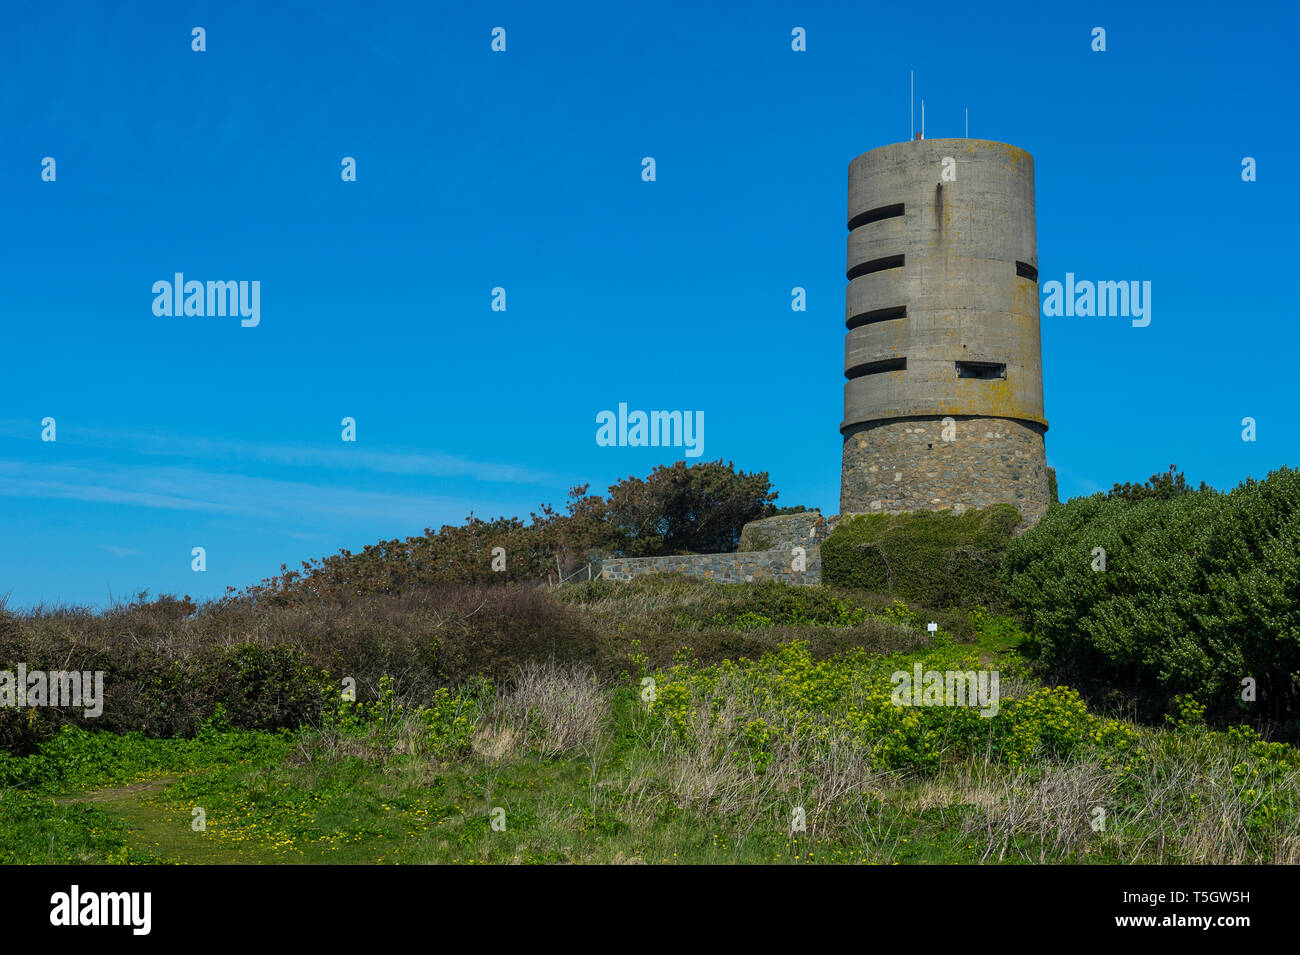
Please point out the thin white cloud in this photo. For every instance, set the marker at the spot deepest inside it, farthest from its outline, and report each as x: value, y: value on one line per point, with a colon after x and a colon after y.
x: 120, y: 551
x: 347, y: 457
x: 186, y: 489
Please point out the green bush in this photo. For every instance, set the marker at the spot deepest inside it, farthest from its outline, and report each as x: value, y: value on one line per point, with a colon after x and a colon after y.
x: 770, y: 603
x: 269, y: 686
x: 1199, y: 591
x: 74, y: 758
x: 789, y: 699
x: 936, y: 558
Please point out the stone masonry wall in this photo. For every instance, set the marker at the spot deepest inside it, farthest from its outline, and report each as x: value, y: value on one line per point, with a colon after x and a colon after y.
x: 775, y: 562
x: 903, y: 464
x: 784, y: 532
x: 741, y: 568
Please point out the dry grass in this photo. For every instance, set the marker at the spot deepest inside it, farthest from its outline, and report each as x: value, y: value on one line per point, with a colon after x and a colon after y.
x: 830, y: 779
x: 1193, y: 808
x: 547, y: 709
x: 1183, y: 804
x: 1045, y: 816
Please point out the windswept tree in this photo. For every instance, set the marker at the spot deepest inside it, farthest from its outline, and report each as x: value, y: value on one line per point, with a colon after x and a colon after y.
x: 681, y: 509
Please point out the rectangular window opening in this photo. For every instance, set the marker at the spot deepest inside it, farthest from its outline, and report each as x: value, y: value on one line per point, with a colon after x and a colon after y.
x: 875, y: 215
x: 984, y: 370
x: 1026, y: 271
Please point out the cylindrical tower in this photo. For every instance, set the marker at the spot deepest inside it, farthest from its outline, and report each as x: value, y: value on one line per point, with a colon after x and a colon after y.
x: 943, y: 407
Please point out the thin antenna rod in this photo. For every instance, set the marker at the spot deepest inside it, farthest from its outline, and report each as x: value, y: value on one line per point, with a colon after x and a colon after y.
x: 968, y: 122
x: 911, y: 106
x: 923, y: 119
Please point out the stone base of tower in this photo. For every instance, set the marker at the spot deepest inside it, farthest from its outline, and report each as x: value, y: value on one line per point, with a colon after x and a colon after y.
x: 904, y: 464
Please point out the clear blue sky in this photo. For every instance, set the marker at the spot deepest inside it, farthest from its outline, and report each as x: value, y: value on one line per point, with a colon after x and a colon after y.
x: 523, y: 170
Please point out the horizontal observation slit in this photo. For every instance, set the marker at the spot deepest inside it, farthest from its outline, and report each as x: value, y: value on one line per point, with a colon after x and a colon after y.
x: 986, y: 370
x: 875, y: 215
x: 876, y: 315
x: 1026, y: 271
x: 876, y: 265
x: 876, y: 368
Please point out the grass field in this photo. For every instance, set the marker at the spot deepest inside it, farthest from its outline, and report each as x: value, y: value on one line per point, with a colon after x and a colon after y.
x: 795, y: 754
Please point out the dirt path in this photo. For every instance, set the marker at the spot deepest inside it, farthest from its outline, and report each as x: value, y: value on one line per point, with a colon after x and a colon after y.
x: 115, y: 794
x: 155, y: 829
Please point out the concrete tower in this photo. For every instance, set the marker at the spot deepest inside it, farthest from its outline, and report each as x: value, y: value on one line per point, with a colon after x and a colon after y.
x: 942, y: 317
